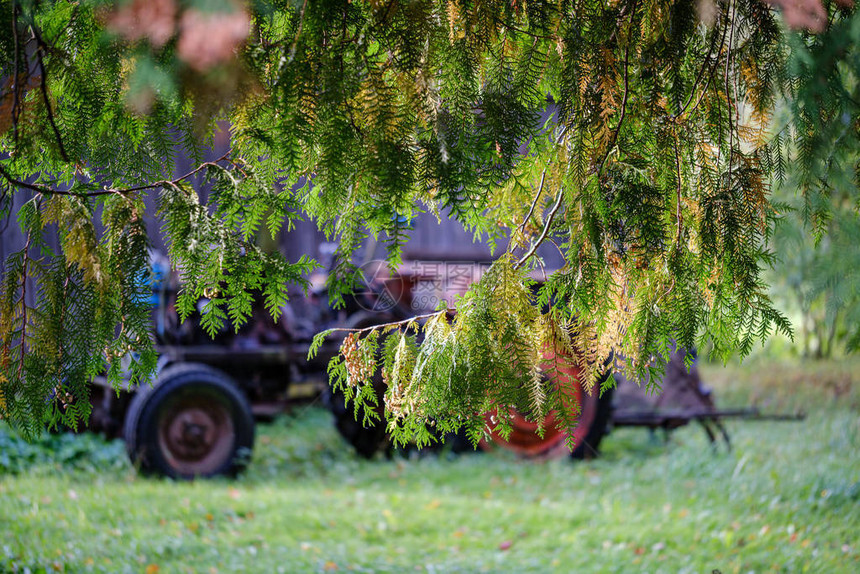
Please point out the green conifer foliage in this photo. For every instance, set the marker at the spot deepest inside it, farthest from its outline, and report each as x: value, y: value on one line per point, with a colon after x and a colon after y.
x: 651, y: 177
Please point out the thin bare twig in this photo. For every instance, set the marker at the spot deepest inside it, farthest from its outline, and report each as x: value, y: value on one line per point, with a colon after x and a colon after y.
x: 299, y: 31
x: 107, y: 191
x: 25, y: 262
x: 713, y: 67
x: 678, y: 190
x: 528, y: 216
x: 526, y: 32
x: 560, y: 252
x: 539, y: 193
x: 392, y: 324
x: 699, y: 75
x: 546, y: 227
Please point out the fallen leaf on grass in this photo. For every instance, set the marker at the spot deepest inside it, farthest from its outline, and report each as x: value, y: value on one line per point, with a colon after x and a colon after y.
x: 505, y: 545
x: 152, y: 569
x: 330, y: 566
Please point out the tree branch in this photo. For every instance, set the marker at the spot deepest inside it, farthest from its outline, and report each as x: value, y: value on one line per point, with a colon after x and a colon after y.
x: 299, y: 31
x: 732, y: 108
x: 617, y: 129
x: 44, y: 84
x: 714, y: 67
x: 678, y: 190
x: 392, y: 324
x: 700, y: 74
x: 546, y: 227
x: 528, y: 216
x: 24, y: 265
x: 15, y: 78
x: 107, y: 191
x: 526, y: 32
x: 534, y: 201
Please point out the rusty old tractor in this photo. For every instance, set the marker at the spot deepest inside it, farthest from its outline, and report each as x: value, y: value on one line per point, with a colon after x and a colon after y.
x: 197, y: 418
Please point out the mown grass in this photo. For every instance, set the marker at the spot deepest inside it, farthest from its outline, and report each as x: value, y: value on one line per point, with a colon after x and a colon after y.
x: 785, y: 499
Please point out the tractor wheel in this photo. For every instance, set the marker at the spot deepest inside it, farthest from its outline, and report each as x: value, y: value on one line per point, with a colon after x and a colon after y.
x: 366, y: 440
x: 192, y: 422
x: 592, y: 424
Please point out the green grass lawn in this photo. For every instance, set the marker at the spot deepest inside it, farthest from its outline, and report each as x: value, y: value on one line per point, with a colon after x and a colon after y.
x: 786, y: 499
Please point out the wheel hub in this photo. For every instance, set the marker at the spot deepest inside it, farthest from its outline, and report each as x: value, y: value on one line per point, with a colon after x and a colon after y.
x: 191, y: 434
x: 196, y: 436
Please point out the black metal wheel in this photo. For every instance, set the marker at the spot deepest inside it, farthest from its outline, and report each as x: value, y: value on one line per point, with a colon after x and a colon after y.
x: 366, y: 440
x: 589, y: 446
x: 193, y: 422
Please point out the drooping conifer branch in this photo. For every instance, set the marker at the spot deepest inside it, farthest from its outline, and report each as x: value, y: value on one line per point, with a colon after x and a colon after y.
x: 614, y: 137
x: 392, y: 109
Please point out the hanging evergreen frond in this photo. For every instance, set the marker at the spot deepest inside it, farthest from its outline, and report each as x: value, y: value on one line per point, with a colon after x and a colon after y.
x: 651, y: 176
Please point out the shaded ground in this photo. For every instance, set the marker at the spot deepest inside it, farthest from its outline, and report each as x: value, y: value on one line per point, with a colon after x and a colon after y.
x: 786, y: 499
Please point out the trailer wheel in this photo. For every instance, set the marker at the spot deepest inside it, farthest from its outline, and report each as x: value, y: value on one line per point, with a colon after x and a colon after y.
x: 193, y: 422
x: 594, y: 414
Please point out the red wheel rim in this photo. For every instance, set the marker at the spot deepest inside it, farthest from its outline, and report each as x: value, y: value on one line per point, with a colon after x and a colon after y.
x: 524, y: 439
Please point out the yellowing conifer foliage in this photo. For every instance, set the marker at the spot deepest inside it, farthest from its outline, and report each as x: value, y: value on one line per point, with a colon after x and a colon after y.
x: 652, y: 177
